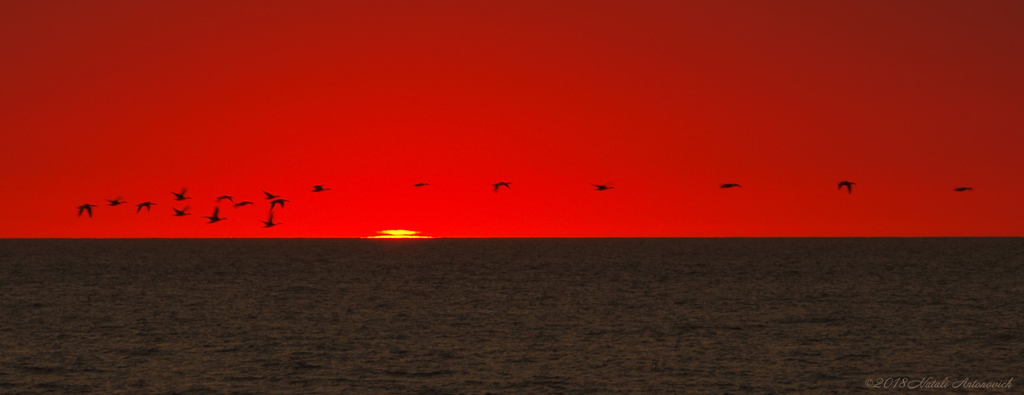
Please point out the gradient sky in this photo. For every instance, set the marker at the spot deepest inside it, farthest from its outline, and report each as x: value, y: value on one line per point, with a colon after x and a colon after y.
x: 666, y: 100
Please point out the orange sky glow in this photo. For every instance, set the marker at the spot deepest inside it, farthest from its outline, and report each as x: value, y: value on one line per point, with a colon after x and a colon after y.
x: 664, y: 100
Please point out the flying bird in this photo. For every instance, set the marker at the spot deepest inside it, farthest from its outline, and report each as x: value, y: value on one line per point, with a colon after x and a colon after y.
x: 270, y: 221
x: 240, y: 204
x: 216, y: 216
x: 270, y: 195
x: 116, y: 202
x: 225, y: 197
x: 181, y: 213
x: 143, y: 204
x: 86, y: 208
x: 848, y: 185
x: 181, y: 196
x: 961, y: 189
x: 730, y: 185
x: 276, y: 202
x: 501, y: 184
x: 422, y: 184
x: 320, y: 188
x: 601, y: 187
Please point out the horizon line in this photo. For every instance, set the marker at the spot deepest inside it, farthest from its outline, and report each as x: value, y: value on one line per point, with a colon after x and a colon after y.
x: 515, y: 237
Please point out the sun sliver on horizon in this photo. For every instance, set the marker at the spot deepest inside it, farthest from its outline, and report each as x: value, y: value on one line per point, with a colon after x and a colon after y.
x: 398, y: 234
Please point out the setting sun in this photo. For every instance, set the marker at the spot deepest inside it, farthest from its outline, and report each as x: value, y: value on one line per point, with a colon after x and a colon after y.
x: 399, y: 234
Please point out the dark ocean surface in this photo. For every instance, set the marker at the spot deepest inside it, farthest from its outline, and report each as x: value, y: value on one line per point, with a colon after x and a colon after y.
x: 509, y: 316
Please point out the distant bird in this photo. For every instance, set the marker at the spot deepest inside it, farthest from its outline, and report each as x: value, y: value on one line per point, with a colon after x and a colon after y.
x: 422, y: 184
x: 270, y: 221
x: 86, y: 208
x: 276, y: 202
x: 181, y: 196
x: 143, y: 204
x: 225, y: 197
x: 730, y: 185
x: 501, y: 184
x: 216, y: 216
x: 320, y: 188
x: 240, y: 204
x: 961, y: 189
x: 602, y: 187
x: 848, y: 185
x: 270, y: 195
x: 116, y: 202
x: 181, y: 213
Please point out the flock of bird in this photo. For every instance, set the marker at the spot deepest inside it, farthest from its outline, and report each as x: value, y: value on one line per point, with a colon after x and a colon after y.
x: 276, y: 200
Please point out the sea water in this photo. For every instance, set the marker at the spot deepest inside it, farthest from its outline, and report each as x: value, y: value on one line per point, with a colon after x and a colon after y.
x: 510, y: 316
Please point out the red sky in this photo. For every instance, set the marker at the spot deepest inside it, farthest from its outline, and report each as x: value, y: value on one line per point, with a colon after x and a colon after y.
x: 665, y: 100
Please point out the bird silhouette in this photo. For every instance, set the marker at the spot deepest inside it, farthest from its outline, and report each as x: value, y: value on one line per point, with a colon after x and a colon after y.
x: 240, y: 204
x: 86, y: 208
x: 116, y: 202
x: 270, y: 221
x: 270, y: 195
x: 143, y: 204
x: 276, y: 202
x: 730, y: 185
x: 501, y: 184
x: 181, y: 196
x: 848, y: 185
x: 961, y: 189
x: 216, y: 216
x: 181, y: 213
x: 422, y: 184
x: 320, y: 188
x: 602, y: 187
x: 225, y: 197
